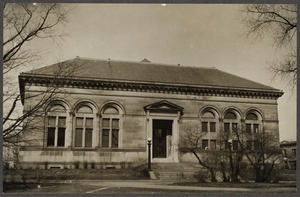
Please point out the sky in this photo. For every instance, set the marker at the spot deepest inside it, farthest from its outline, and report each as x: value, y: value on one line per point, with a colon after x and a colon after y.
x: 192, y: 35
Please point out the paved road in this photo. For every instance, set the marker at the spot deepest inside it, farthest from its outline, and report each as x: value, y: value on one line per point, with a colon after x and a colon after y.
x: 141, y: 187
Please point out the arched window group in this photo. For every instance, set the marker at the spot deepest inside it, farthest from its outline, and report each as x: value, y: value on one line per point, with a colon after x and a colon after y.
x: 219, y: 132
x: 84, y: 126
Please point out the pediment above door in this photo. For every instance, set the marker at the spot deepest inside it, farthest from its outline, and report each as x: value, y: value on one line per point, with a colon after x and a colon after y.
x: 164, y: 107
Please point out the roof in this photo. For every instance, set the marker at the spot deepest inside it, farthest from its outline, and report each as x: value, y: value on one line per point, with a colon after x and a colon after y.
x: 146, y: 71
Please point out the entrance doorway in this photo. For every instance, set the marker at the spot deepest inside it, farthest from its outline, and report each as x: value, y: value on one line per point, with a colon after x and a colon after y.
x: 162, y: 138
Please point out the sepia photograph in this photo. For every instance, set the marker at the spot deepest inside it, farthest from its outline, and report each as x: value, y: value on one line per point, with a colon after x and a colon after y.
x: 149, y: 98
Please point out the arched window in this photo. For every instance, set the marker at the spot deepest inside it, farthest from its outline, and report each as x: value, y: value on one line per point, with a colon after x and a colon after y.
x: 56, y: 126
x: 110, y: 127
x: 209, y: 126
x: 230, y: 122
x: 252, y: 123
x: 231, y: 127
x: 84, y: 126
x: 208, y: 122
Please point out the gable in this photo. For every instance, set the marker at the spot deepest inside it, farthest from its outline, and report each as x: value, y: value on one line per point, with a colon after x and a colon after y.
x: 164, y: 107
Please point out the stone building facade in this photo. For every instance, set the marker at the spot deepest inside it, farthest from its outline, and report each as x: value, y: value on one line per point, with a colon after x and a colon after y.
x: 105, y: 111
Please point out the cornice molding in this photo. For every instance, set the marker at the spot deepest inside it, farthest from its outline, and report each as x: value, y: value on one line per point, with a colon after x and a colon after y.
x: 147, y: 87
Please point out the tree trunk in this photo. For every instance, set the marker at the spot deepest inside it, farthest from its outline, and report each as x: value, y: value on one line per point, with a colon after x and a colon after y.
x: 225, y: 179
x: 213, y: 175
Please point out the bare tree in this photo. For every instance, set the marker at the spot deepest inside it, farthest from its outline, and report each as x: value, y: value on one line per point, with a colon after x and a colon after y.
x: 280, y: 22
x: 23, y: 23
x: 264, y: 157
x: 190, y: 142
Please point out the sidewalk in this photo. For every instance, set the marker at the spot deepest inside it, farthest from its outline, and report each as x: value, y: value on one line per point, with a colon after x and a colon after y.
x: 172, y: 186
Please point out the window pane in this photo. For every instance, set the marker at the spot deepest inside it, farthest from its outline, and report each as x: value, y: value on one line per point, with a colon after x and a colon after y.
x: 105, y: 138
x: 89, y: 122
x: 50, y: 136
x: 111, y: 110
x: 226, y: 144
x: 251, y: 116
x: 204, y: 127
x: 255, y: 128
x: 85, y: 109
x: 249, y: 145
x: 52, y: 121
x: 115, y: 138
x: 235, y: 145
x: 61, y: 121
x: 105, y: 122
x: 57, y: 108
x: 213, y: 144
x: 234, y: 126
x: 61, y: 137
x: 256, y: 145
x: 204, y: 144
x: 212, y: 127
x: 79, y: 122
x: 208, y: 115
x: 115, y: 123
x: 230, y: 115
x: 88, y: 137
x: 248, y: 128
x: 78, y: 138
x: 226, y: 127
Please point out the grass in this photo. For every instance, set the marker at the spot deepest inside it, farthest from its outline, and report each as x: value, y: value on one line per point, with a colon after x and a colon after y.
x: 65, y: 174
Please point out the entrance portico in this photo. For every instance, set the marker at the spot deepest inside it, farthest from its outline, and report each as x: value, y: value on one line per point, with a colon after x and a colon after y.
x: 162, y: 129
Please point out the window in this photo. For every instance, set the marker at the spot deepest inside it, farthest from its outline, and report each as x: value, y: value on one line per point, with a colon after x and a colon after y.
x: 226, y: 144
x: 208, y: 122
x: 110, y: 137
x: 255, y: 128
x: 84, y: 126
x: 226, y: 127
x: 252, y: 123
x: 213, y: 144
x: 204, y: 126
x: 235, y: 144
x: 256, y: 145
x: 212, y: 126
x: 248, y: 128
x: 204, y: 144
x: 249, y: 145
x: 56, y: 126
x: 230, y: 122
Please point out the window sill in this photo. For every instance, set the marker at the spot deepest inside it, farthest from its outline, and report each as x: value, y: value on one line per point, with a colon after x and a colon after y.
x: 83, y: 148
x: 56, y: 148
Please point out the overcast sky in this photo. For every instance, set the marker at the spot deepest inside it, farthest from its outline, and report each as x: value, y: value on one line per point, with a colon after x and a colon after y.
x: 193, y: 35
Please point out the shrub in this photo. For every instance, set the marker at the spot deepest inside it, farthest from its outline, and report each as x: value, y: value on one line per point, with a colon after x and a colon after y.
x: 76, y: 164
x: 202, y: 176
x: 93, y: 165
x: 85, y: 165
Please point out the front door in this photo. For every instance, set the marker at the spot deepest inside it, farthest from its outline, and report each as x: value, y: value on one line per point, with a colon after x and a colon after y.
x: 161, y: 130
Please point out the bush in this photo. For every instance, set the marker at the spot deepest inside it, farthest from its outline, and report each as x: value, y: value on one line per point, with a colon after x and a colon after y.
x: 142, y: 170
x: 93, y: 165
x: 76, y: 164
x: 85, y: 165
x: 202, y: 176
